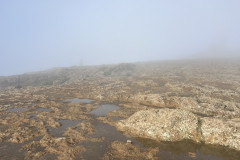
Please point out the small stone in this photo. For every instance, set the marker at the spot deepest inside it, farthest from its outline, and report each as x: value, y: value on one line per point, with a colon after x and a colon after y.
x: 129, y: 141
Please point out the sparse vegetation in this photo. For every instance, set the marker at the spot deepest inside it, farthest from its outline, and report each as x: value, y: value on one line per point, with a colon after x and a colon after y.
x: 205, y: 93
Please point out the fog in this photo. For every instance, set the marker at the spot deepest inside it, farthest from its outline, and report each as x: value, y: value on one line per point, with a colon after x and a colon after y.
x: 38, y: 35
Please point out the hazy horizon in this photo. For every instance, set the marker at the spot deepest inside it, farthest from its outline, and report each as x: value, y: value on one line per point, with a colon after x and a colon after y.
x: 39, y: 35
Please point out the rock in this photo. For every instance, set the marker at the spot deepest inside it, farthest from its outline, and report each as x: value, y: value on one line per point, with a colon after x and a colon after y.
x: 219, y: 132
x: 149, y: 99
x: 162, y: 125
x: 129, y: 141
x: 177, y: 125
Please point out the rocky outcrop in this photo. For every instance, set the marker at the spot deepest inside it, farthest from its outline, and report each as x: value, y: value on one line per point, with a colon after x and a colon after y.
x: 149, y: 99
x: 177, y: 124
x: 162, y: 124
x: 219, y: 132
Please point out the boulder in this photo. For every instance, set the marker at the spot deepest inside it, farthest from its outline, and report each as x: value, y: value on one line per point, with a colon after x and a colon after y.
x: 162, y: 125
x: 149, y: 99
x: 220, y: 132
x: 177, y: 124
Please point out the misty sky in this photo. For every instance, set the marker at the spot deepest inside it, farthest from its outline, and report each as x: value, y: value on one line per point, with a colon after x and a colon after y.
x: 37, y: 35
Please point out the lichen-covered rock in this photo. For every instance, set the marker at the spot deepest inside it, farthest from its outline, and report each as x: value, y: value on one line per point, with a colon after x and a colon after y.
x: 177, y: 124
x: 187, y: 103
x: 219, y: 132
x: 162, y: 125
x: 149, y: 99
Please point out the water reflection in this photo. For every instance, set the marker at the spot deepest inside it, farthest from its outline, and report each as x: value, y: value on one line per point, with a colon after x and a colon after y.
x: 188, y: 150
x: 104, y: 109
x: 58, y: 132
x: 16, y: 110
x: 77, y: 100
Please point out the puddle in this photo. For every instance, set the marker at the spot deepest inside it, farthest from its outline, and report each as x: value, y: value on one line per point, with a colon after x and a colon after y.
x: 187, y: 150
x: 96, y: 150
x: 117, y: 118
x: 58, y: 132
x: 104, y: 109
x: 11, y: 151
x: 15, y: 151
x: 116, y: 86
x: 33, y: 116
x: 49, y: 156
x: 3, y: 127
x: 109, y: 132
x: 44, y: 109
x: 16, y: 110
x: 77, y: 100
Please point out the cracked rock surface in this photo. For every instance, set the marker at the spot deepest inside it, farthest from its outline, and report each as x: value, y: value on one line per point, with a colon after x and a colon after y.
x: 177, y: 124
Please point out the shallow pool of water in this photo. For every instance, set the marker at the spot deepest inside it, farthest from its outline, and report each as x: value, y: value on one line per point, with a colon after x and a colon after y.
x: 96, y: 150
x: 33, y: 116
x: 77, y: 100
x: 58, y: 132
x: 117, y: 118
x: 16, y: 151
x: 44, y: 109
x: 16, y: 110
x: 188, y: 150
x: 11, y: 151
x: 104, y: 109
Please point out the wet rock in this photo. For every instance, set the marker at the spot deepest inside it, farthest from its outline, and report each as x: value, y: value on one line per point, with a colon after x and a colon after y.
x: 162, y: 125
x: 220, y: 132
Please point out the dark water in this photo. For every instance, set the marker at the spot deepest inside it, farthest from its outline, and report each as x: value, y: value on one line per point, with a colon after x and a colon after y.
x: 33, y: 116
x: 188, y: 150
x: 11, y: 151
x: 96, y: 150
x: 77, y: 100
x: 16, y: 110
x: 104, y: 109
x: 117, y: 118
x: 44, y: 109
x: 14, y: 151
x: 58, y: 132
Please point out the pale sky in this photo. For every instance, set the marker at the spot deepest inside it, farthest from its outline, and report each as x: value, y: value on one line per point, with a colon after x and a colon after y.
x: 37, y: 35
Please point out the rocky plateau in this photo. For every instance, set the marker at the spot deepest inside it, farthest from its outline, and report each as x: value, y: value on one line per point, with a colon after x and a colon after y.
x: 187, y: 109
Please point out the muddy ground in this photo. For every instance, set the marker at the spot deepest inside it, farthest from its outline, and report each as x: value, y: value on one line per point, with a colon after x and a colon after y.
x: 66, y: 121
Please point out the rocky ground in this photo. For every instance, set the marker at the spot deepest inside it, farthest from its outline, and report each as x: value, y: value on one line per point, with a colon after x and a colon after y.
x: 165, y: 102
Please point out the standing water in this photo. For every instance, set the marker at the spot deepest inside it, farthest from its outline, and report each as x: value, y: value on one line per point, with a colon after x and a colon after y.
x: 77, y: 100
x: 104, y: 109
